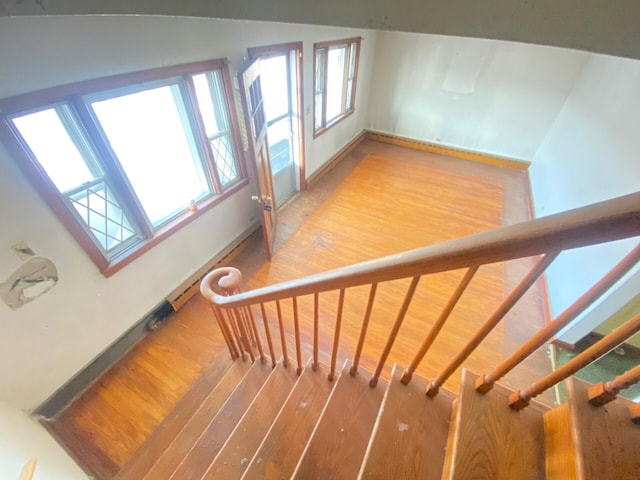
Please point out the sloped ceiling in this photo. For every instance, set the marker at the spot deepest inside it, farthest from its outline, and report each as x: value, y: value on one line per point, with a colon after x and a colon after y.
x: 603, y: 26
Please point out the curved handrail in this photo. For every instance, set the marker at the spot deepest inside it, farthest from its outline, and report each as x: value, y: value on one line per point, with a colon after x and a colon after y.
x: 600, y: 222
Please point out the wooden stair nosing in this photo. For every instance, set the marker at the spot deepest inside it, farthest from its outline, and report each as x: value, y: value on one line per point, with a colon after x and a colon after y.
x: 265, y: 458
x: 173, y: 454
x: 270, y: 398
x: 504, y: 445
x: 607, y: 442
x: 343, y: 452
x: 410, y: 434
x: 161, y: 438
x: 199, y: 457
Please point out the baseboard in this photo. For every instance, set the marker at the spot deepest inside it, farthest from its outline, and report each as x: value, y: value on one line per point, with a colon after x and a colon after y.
x: 335, y: 159
x: 82, y: 380
x: 447, y: 150
x: 191, y: 286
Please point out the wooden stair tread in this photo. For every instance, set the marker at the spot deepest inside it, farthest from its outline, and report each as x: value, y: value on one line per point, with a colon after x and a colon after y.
x: 608, y: 443
x: 145, y: 457
x: 494, y: 441
x: 339, y: 441
x: 411, y: 433
x: 243, y: 443
x: 213, y: 437
x: 560, y: 448
x: 184, y: 440
x: 280, y: 451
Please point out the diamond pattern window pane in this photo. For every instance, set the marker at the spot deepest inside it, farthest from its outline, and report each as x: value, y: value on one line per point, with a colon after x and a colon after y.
x: 100, y: 211
x: 225, y: 162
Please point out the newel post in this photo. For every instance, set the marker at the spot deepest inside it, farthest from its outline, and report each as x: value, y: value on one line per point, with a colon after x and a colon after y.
x: 235, y: 323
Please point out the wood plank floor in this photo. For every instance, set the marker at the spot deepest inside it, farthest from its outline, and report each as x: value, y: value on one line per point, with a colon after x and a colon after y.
x: 380, y: 199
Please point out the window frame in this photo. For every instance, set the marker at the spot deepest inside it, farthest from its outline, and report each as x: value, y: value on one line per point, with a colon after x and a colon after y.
x: 75, y: 96
x: 348, y: 102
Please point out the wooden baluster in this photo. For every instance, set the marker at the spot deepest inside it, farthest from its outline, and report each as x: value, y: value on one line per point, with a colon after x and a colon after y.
x: 296, y: 327
x: 225, y: 332
x: 519, y: 400
x: 254, y: 329
x: 435, y: 330
x: 485, y: 383
x: 634, y: 412
x: 605, y: 392
x: 394, y: 331
x: 267, y: 332
x: 283, y: 340
x: 363, y: 332
x: 314, y: 366
x: 236, y: 334
x: 234, y: 316
x: 503, y: 309
x: 336, y: 337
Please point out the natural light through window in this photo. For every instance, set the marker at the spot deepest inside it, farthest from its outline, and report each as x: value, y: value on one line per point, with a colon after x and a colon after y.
x: 54, y: 149
x: 335, y: 74
x: 149, y: 134
x: 208, y: 88
x: 335, y: 82
x: 129, y: 164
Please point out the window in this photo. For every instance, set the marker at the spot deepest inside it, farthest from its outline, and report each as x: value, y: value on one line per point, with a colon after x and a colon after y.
x: 335, y: 76
x: 128, y: 160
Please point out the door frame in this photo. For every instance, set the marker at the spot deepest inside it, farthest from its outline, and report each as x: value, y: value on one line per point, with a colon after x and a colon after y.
x: 279, y: 48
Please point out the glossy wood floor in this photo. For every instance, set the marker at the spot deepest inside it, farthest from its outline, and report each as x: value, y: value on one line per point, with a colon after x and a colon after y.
x: 379, y: 200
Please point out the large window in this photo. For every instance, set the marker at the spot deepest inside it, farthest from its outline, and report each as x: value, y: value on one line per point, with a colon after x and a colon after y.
x: 335, y: 76
x: 125, y: 161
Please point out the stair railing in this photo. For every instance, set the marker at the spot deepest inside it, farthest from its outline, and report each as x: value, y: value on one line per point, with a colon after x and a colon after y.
x: 545, y: 237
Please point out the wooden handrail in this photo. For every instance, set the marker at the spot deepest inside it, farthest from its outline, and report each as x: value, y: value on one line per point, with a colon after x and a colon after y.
x: 520, y: 399
x: 601, y: 222
x: 485, y: 383
x: 605, y: 392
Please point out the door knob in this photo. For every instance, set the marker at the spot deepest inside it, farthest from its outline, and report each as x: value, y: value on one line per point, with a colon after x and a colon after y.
x: 263, y: 198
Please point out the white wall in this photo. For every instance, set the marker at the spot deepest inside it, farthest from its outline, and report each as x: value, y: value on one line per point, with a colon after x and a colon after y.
x: 47, y: 341
x: 590, y: 154
x: 485, y: 96
x: 22, y: 439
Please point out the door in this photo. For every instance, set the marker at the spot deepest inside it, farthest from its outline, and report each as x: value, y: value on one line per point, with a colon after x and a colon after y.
x: 281, y: 82
x: 256, y: 125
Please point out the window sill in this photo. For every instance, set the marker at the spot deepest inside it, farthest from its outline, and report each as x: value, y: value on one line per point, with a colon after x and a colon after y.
x: 320, y: 131
x: 128, y: 256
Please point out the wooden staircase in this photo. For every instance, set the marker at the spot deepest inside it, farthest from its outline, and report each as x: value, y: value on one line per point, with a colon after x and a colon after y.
x: 278, y: 420
x: 274, y: 424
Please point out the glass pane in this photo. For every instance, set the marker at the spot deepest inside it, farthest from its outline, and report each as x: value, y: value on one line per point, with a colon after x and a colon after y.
x: 205, y: 102
x: 275, y: 86
x: 318, y: 111
x: 352, y: 68
x: 153, y: 141
x: 55, y: 150
x: 98, y: 208
x: 335, y: 82
x: 319, y: 87
x: 225, y: 161
x: 279, y: 135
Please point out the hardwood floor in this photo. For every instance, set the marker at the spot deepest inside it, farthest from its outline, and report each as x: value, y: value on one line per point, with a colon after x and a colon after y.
x: 380, y: 199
